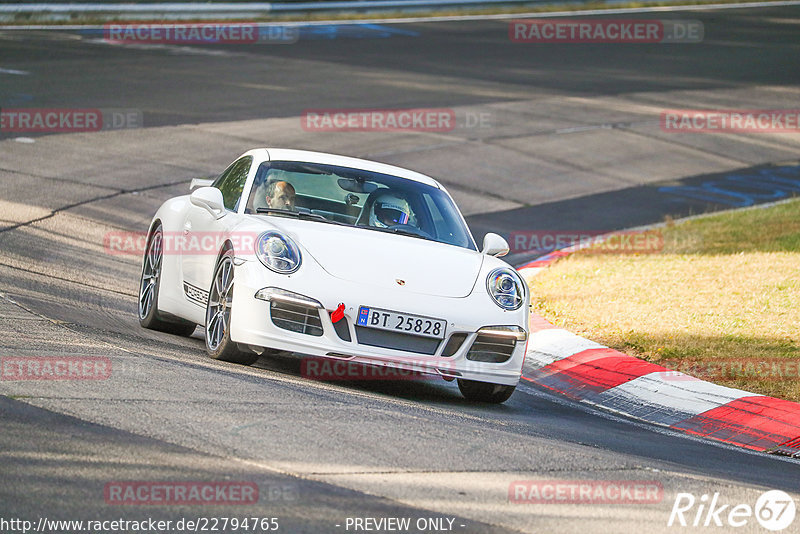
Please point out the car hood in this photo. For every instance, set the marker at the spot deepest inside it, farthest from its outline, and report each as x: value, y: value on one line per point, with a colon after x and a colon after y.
x: 385, y: 260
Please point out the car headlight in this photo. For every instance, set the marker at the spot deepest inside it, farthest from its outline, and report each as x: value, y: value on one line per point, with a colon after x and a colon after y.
x: 278, y: 253
x: 506, y: 288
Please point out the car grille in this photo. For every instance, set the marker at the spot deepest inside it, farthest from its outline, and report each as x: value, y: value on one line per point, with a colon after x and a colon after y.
x: 453, y: 344
x: 342, y: 329
x: 397, y: 341
x: 493, y: 349
x: 296, y: 318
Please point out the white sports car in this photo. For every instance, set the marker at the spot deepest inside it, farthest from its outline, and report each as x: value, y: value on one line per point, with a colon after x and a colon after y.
x: 339, y: 258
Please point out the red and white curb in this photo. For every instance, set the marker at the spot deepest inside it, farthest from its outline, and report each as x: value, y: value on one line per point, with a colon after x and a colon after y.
x: 583, y: 370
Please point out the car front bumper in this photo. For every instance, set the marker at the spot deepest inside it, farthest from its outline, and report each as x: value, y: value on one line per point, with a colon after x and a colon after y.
x: 252, y: 326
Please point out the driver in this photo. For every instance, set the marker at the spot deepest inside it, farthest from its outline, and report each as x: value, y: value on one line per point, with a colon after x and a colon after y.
x: 280, y: 195
x: 391, y: 210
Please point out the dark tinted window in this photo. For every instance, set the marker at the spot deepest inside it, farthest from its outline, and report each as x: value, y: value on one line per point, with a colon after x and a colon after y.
x: 231, y: 182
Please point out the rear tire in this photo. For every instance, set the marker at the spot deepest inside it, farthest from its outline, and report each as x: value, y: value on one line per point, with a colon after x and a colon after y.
x: 149, y: 286
x: 218, y: 316
x: 484, y: 391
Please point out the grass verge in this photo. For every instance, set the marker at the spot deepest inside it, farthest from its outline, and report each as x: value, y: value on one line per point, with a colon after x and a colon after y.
x: 720, y: 301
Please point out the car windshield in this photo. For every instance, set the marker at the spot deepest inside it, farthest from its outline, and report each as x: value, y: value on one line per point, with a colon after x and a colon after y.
x: 355, y: 197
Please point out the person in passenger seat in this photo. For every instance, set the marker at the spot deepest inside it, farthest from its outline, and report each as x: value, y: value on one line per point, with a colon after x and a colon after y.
x: 280, y: 195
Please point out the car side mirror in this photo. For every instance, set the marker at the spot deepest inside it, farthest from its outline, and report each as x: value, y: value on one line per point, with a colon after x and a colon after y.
x: 494, y: 245
x: 210, y: 199
x: 200, y: 182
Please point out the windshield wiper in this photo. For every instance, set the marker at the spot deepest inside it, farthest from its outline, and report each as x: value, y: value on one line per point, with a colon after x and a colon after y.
x: 296, y: 214
x: 399, y: 231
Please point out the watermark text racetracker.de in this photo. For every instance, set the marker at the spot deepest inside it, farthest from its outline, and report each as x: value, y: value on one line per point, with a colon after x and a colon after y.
x: 625, y: 31
x: 593, y: 241
x: 730, y: 121
x: 26, y: 368
x: 177, y: 243
x: 585, y: 492
x: 140, y: 492
x: 199, y: 33
x: 767, y: 369
x: 66, y: 120
x: 389, y: 120
x: 330, y: 369
x: 114, y: 526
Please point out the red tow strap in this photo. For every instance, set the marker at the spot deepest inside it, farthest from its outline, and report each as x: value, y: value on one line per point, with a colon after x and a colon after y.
x: 338, y: 314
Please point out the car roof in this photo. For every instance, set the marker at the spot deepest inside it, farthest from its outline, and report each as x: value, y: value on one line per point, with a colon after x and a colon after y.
x: 286, y: 154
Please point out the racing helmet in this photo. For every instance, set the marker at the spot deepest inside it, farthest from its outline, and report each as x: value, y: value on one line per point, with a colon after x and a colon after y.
x: 388, y: 209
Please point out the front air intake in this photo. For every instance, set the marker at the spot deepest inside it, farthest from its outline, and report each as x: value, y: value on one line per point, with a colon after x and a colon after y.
x: 295, y: 318
x: 492, y: 349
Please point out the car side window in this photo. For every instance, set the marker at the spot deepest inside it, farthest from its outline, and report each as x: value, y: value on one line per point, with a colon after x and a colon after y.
x: 231, y: 182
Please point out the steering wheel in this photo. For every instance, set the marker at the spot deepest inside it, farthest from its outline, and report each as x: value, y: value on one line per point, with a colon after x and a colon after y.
x: 411, y: 229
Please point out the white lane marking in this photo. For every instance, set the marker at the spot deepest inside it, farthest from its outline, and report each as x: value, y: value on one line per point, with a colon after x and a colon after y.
x: 578, y: 129
x: 14, y: 71
x: 667, y: 397
x: 554, y: 344
x: 466, y: 18
x: 176, y: 49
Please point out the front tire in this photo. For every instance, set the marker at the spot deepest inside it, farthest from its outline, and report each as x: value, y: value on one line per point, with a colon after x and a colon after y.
x: 484, y: 391
x: 218, y: 316
x: 149, y: 287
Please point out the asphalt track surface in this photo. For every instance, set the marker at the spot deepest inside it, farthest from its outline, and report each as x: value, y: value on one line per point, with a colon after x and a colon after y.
x: 568, y: 124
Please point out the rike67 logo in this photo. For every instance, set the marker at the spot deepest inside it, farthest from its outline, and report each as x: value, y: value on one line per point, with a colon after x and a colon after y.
x: 774, y: 510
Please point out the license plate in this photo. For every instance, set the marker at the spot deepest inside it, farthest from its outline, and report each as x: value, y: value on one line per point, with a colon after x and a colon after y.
x: 405, y: 323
